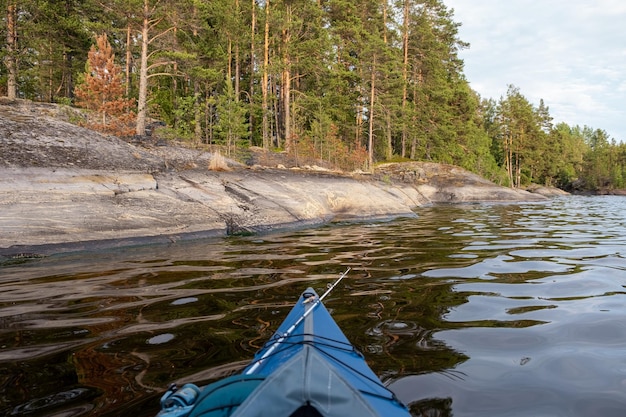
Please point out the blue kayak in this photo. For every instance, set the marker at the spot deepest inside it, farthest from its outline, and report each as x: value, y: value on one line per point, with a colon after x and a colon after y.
x: 308, y: 368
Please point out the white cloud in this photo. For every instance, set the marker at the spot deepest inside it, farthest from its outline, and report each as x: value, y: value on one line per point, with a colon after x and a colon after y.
x: 568, y: 52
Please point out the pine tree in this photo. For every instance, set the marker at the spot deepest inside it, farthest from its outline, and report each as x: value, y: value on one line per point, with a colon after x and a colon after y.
x: 232, y: 127
x: 102, y: 92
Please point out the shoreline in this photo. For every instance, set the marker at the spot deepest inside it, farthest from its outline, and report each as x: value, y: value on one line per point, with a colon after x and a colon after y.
x: 16, y: 253
x: 48, y: 211
x: 61, y: 210
x: 64, y: 187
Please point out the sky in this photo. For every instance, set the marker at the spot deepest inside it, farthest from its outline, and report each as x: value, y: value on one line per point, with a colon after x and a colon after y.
x: 570, y: 53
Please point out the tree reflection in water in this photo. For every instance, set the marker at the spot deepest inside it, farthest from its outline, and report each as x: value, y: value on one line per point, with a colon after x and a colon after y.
x: 433, y: 407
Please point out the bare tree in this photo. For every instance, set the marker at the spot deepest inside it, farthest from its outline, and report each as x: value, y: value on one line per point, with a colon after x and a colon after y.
x: 149, y: 23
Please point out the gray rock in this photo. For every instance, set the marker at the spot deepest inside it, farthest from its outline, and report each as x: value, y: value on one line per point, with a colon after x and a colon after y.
x: 63, y: 188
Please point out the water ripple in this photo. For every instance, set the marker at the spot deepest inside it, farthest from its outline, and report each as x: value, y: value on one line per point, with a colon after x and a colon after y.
x: 480, y: 309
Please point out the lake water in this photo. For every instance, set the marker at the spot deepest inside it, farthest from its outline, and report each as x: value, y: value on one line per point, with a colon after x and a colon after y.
x: 466, y: 310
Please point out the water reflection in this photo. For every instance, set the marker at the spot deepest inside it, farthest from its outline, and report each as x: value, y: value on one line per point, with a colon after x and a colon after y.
x: 467, y: 310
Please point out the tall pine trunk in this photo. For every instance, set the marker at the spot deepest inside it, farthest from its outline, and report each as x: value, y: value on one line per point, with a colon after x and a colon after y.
x: 286, y: 80
x: 129, y: 57
x: 413, y: 154
x: 265, y: 81
x: 405, y: 72
x: 370, y: 145
x: 252, y: 69
x: 142, y: 100
x: 389, y: 134
x: 10, y: 60
x: 508, y: 157
x: 229, y: 60
x: 237, y: 63
x: 197, y: 112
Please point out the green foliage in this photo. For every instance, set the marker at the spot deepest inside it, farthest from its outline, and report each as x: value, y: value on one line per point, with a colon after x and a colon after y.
x: 339, y: 86
x: 231, y: 128
x: 53, y: 42
x: 603, y: 162
x: 184, y: 116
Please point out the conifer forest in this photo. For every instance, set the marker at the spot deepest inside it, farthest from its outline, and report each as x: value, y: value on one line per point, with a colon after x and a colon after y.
x: 353, y: 83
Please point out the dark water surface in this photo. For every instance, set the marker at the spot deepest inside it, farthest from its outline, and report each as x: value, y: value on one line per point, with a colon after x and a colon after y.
x: 472, y: 310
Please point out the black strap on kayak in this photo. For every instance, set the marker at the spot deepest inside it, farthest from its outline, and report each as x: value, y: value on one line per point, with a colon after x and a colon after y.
x: 285, y: 335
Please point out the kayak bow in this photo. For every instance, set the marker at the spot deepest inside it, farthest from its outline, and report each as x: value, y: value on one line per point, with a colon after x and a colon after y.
x: 308, y: 368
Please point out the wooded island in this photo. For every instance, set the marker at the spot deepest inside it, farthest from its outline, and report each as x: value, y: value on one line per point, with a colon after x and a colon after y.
x: 353, y: 83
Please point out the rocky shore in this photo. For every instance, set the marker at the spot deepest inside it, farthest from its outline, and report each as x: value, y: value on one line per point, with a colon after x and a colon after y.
x: 66, y: 188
